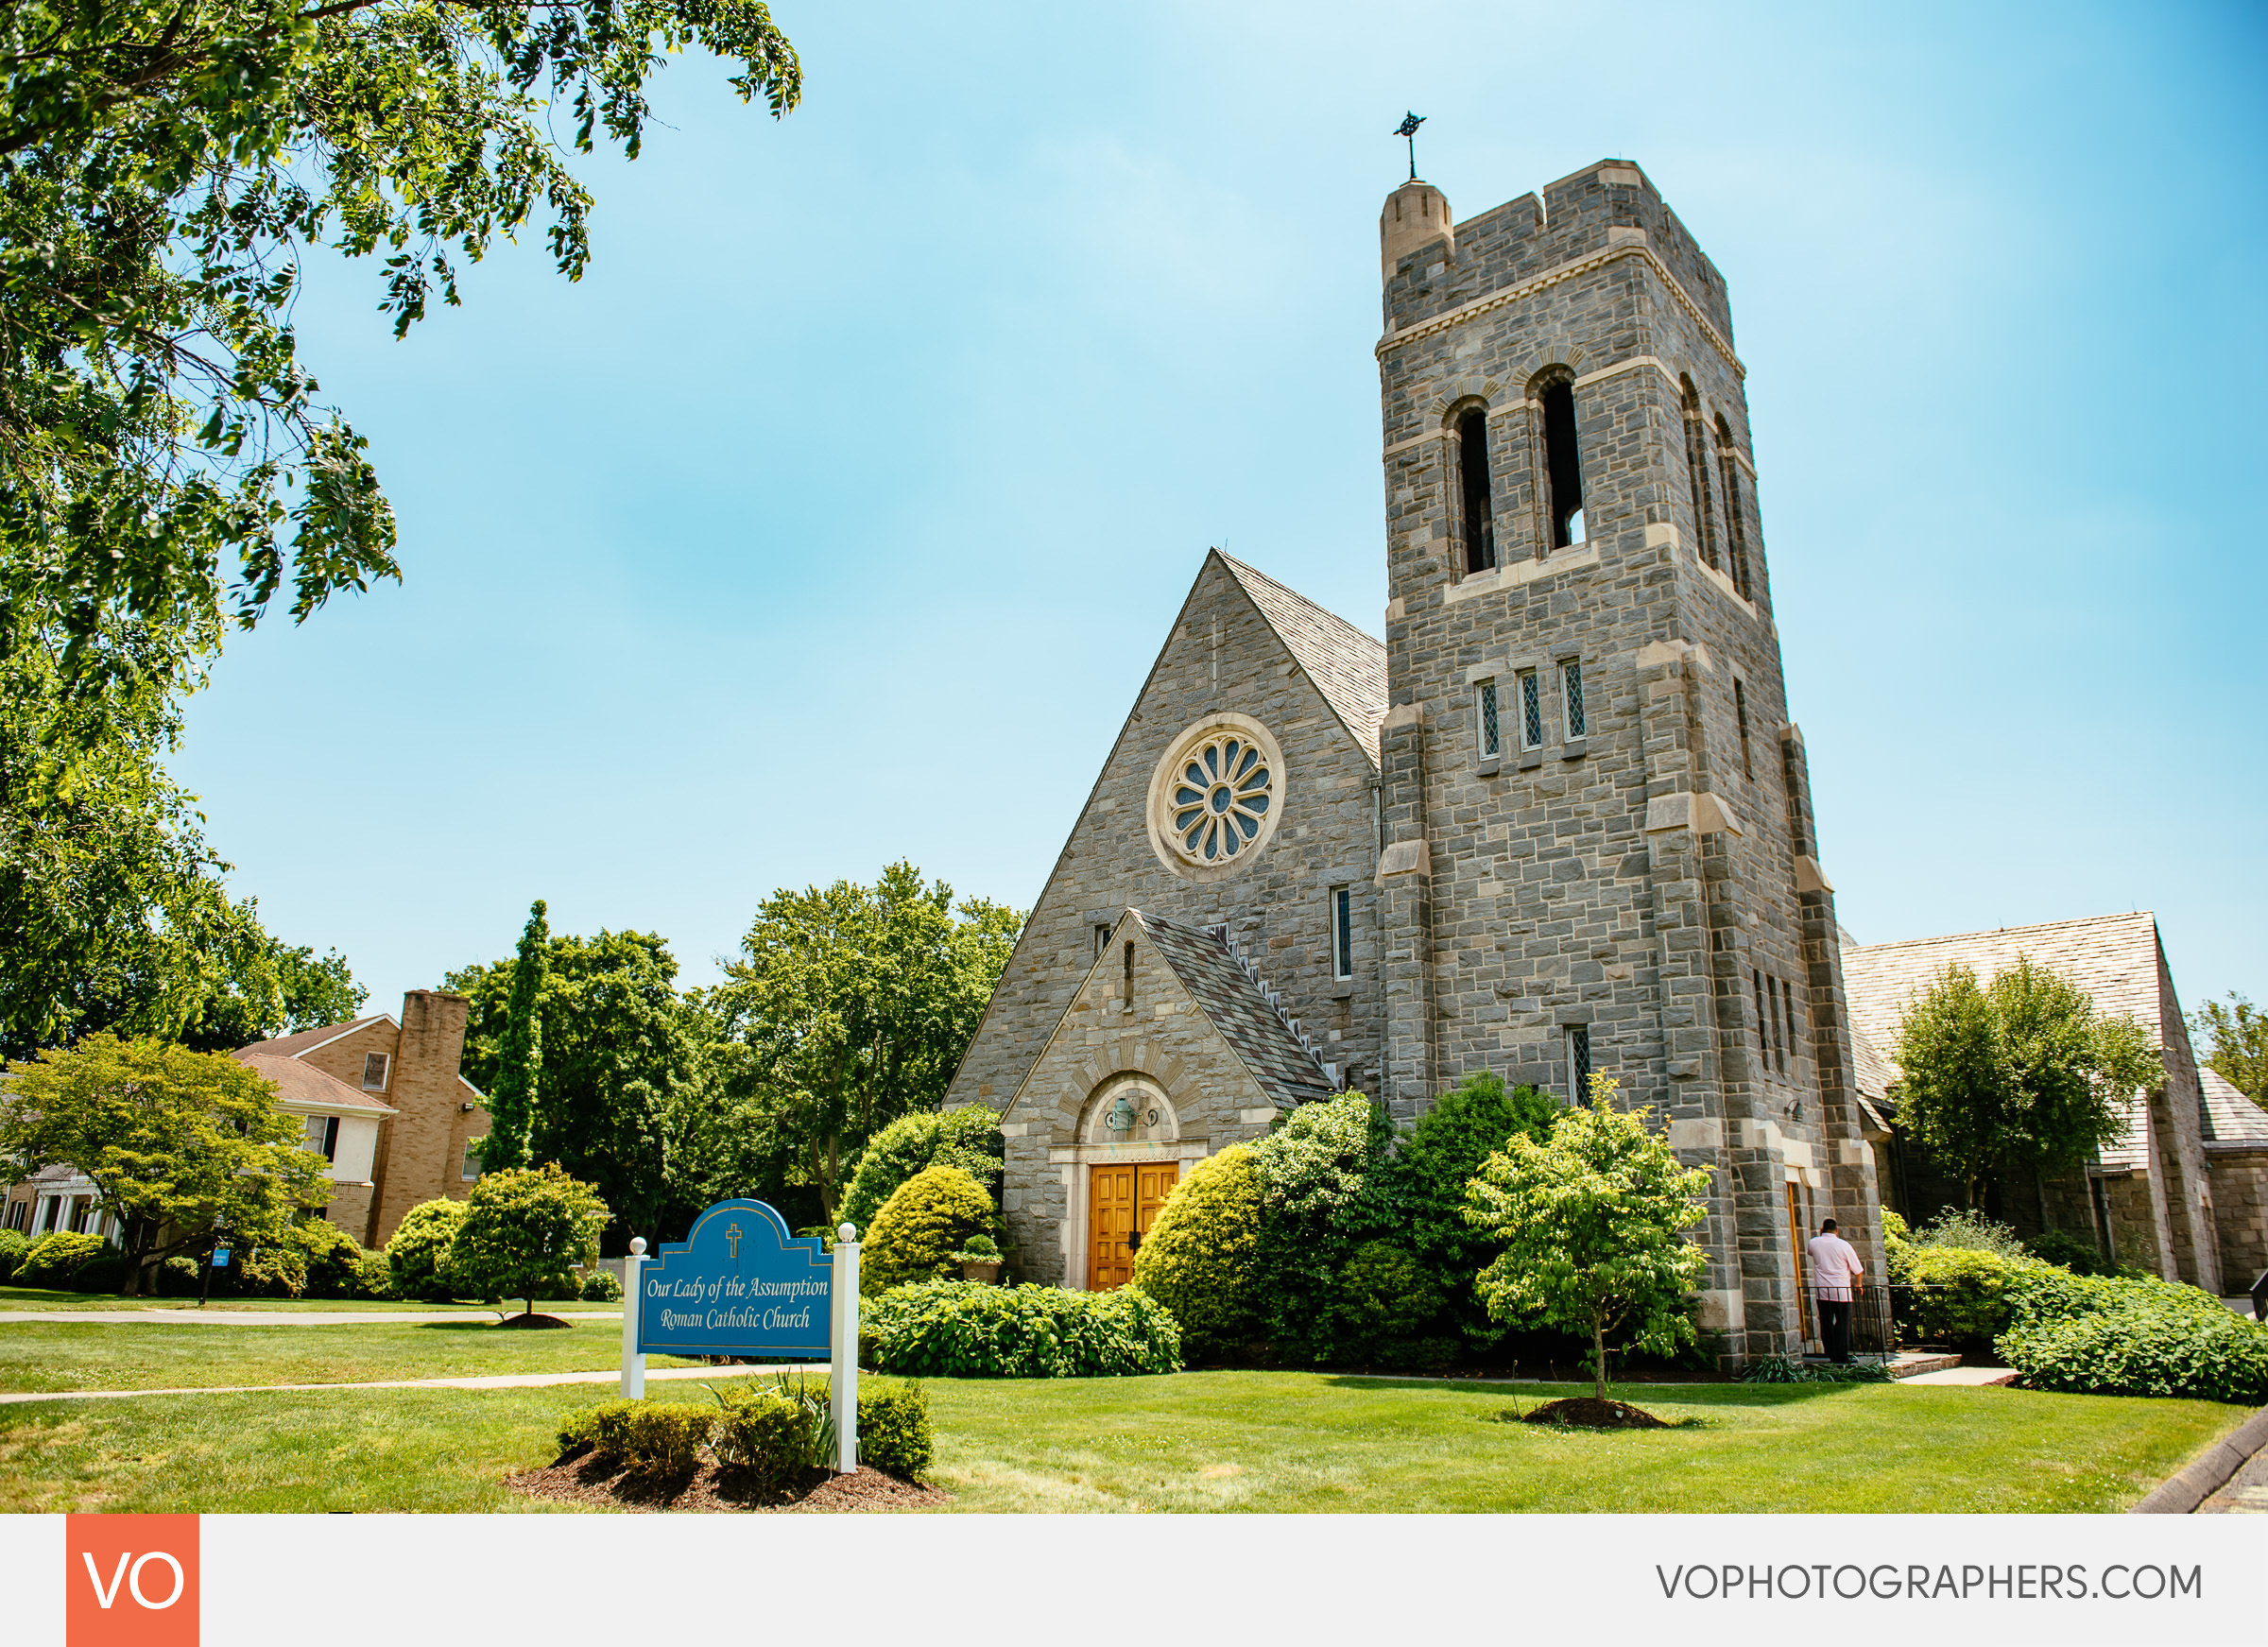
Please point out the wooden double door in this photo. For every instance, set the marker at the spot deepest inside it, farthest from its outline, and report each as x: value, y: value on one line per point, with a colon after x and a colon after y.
x: 1122, y: 1201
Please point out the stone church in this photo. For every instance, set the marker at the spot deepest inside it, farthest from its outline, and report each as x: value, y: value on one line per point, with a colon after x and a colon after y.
x: 1560, y: 821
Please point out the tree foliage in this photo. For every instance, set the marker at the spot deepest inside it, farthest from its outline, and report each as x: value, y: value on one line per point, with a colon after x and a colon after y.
x: 1590, y: 1223
x: 1439, y: 1158
x: 2236, y: 1037
x: 164, y: 166
x: 177, y: 1143
x: 619, y: 1047
x: 852, y: 1007
x: 967, y: 1137
x: 2021, y: 1078
x: 515, y: 1079
x: 1327, y: 1185
x: 523, y: 1230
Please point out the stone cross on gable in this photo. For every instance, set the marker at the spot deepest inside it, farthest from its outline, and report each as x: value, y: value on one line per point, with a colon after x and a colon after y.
x: 732, y: 1240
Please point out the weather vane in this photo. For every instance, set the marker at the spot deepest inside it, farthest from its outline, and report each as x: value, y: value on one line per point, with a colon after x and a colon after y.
x: 1410, y: 122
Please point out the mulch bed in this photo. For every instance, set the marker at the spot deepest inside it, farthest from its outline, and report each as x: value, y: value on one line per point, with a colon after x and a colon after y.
x: 581, y: 1480
x: 1589, y: 1412
x: 525, y: 1320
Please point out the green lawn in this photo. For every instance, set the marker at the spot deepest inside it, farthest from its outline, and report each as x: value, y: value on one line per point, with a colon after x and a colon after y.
x: 100, y: 1356
x: 1194, y: 1441
x: 34, y: 1298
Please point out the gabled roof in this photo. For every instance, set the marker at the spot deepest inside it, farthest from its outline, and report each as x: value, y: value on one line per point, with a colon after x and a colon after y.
x: 2230, y: 1118
x: 306, y: 1040
x: 301, y: 1086
x: 1234, y: 1003
x: 1346, y: 665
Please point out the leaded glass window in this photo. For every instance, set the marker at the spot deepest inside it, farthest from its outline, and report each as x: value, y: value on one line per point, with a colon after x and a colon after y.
x: 1571, y: 679
x: 1342, y: 931
x: 1491, y: 737
x: 1531, y: 711
x: 1578, y: 1062
x: 1220, y: 797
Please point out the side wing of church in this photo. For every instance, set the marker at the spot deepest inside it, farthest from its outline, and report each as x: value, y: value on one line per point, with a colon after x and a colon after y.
x: 1560, y: 822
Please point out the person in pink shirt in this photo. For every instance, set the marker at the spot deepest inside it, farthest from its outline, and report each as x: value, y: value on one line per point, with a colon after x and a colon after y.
x: 1835, y: 1270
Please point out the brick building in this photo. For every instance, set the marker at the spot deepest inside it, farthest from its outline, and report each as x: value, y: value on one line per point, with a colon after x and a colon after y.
x: 1560, y: 822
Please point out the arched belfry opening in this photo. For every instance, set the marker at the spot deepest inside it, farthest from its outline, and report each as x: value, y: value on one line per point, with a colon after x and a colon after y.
x: 1474, y: 494
x: 1562, y: 466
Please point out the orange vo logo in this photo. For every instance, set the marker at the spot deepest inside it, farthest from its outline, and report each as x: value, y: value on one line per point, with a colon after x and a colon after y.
x: 131, y: 1581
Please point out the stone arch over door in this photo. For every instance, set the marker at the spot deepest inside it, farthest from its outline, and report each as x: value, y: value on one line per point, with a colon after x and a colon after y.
x: 1153, y: 1135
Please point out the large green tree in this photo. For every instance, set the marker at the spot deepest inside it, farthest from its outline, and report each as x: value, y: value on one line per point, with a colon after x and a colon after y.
x: 514, y: 1079
x: 2018, y: 1079
x: 2236, y: 1043
x: 1589, y: 1224
x: 852, y: 1007
x: 179, y: 1144
x: 166, y: 457
x: 621, y: 1051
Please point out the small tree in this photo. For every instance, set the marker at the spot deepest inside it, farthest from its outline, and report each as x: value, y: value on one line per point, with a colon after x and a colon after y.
x: 523, y: 1230
x: 177, y: 1143
x: 512, y: 1103
x: 2021, y: 1078
x: 2236, y: 1034
x: 1590, y: 1220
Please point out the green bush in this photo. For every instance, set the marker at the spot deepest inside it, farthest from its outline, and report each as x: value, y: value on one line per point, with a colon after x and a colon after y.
x: 1441, y: 1155
x: 417, y: 1256
x: 603, y: 1429
x: 13, y: 1246
x: 2130, y: 1336
x: 50, y: 1260
x: 178, y: 1277
x: 333, y: 1257
x: 967, y: 1330
x: 920, y: 1226
x: 105, y: 1272
x: 766, y: 1437
x: 894, y: 1433
x: 601, y: 1286
x: 1894, y: 1226
x: 1196, y: 1259
x: 968, y: 1139
x: 373, y: 1277
x: 2069, y: 1252
x: 1327, y: 1185
x: 1780, y: 1369
x: 663, y: 1446
x: 1968, y: 1231
x: 270, y: 1271
x: 1953, y: 1294
x: 1387, y: 1307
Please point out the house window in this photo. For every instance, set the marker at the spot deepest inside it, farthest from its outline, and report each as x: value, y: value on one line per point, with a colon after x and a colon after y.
x: 470, y: 1168
x: 1472, y: 475
x: 322, y: 1136
x: 1483, y: 710
x: 1342, y: 931
x: 1735, y: 530
x: 1102, y: 941
x: 1571, y: 692
x: 1562, y: 469
x: 374, y: 1071
x: 1578, y: 1063
x: 1530, y: 711
x: 1740, y: 713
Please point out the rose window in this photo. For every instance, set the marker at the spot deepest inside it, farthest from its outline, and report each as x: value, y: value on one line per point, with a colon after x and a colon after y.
x: 1221, y: 797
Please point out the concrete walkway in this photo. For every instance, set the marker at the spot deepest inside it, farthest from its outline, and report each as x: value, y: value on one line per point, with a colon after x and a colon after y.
x: 485, y: 1382
x: 272, y: 1318
x: 1981, y: 1376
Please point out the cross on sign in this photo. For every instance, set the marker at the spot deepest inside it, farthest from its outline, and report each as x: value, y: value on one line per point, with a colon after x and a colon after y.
x: 732, y: 1240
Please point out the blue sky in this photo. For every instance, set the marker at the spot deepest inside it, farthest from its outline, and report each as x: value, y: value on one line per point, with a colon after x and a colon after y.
x: 837, y: 514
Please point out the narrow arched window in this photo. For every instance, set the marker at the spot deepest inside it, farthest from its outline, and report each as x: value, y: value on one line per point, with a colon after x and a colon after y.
x: 1736, y: 530
x: 1472, y: 479
x: 1562, y: 469
x: 1696, y: 470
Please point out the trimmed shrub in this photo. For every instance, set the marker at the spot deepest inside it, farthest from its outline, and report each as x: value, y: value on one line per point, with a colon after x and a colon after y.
x: 333, y: 1257
x: 105, y: 1272
x: 968, y: 1138
x: 2053, y: 1247
x: 13, y: 1246
x: 601, y: 1286
x: 417, y: 1256
x: 1954, y: 1295
x: 1196, y: 1259
x: 177, y: 1277
x: 894, y: 1433
x: 662, y: 1445
x: 1389, y: 1308
x: 967, y: 1330
x: 50, y: 1260
x: 1327, y: 1185
x: 2122, y: 1336
x: 1442, y: 1154
x: 270, y: 1271
x: 373, y: 1277
x: 1894, y: 1226
x: 766, y: 1436
x: 603, y: 1429
x: 920, y: 1226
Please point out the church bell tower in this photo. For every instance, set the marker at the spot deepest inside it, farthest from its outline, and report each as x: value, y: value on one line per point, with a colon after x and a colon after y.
x: 1597, y: 851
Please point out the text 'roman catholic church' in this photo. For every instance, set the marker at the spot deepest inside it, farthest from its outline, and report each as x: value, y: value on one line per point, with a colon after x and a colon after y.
x: 1559, y: 822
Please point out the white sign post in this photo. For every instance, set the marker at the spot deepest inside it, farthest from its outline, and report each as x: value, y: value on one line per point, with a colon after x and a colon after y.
x: 633, y: 1362
x: 842, y: 1370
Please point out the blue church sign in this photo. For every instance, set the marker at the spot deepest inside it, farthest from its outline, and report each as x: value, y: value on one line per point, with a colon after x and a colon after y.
x: 738, y: 1284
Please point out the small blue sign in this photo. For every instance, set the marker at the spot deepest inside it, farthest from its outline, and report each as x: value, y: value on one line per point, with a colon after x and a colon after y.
x: 738, y: 1284
x: 220, y: 1258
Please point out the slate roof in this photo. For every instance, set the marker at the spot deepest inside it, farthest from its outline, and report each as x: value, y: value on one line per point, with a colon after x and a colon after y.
x: 1239, y: 1009
x: 2232, y: 1121
x: 1348, y: 666
x: 2113, y: 957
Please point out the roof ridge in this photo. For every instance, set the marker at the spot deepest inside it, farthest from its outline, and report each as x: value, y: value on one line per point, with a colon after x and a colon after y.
x: 1991, y: 930
x: 1344, y: 661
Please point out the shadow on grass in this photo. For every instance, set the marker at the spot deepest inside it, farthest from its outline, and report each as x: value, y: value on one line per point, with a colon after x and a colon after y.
x: 1638, y: 1395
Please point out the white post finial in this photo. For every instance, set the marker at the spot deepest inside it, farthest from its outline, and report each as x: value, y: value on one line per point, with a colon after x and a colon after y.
x: 846, y: 1232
